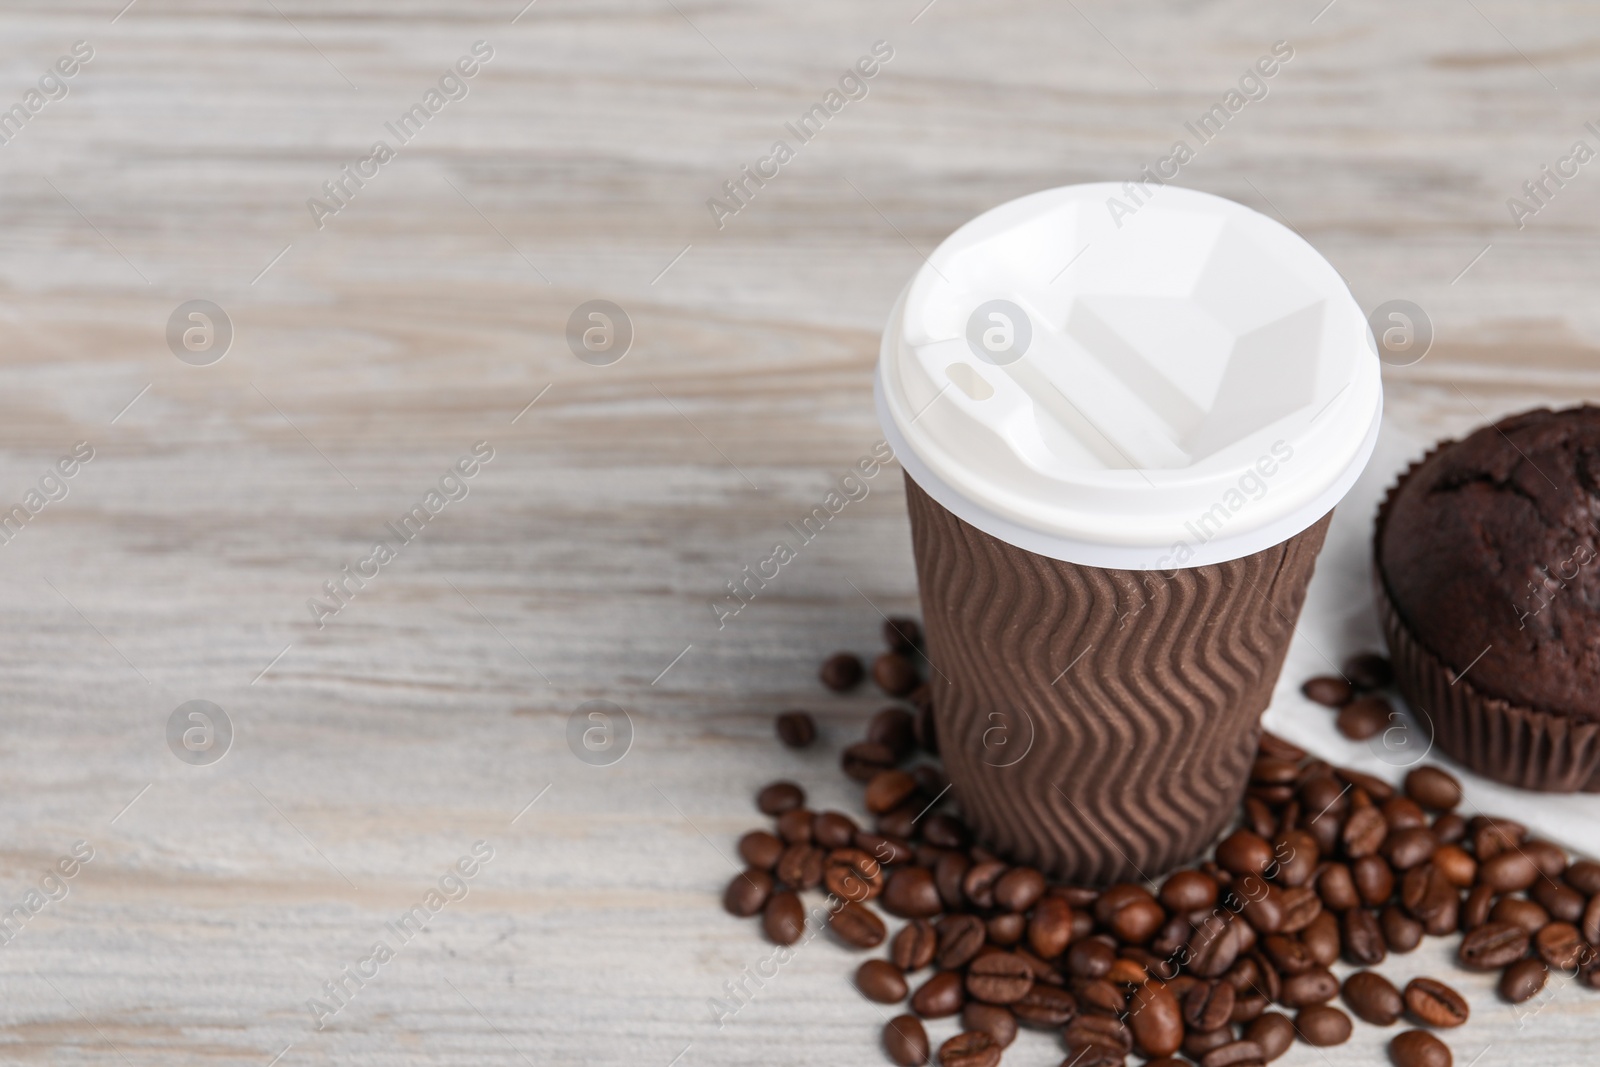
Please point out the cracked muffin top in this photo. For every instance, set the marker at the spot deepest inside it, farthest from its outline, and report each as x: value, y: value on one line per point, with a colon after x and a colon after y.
x: 1490, y: 556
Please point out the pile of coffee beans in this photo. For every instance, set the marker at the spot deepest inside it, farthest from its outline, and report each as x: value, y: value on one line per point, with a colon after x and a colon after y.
x: 1325, y: 863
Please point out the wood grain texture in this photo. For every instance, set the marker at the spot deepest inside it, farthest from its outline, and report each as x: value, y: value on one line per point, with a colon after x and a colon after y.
x: 590, y: 551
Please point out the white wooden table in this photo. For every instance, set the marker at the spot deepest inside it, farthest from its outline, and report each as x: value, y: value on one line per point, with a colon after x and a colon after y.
x: 430, y: 310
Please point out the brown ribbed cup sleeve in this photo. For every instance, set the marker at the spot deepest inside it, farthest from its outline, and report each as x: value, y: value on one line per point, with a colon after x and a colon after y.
x: 1099, y: 724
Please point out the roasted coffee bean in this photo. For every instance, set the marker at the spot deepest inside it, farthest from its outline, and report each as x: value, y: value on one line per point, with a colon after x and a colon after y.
x: 1288, y: 955
x: 1435, y: 1003
x: 1213, y: 948
x: 1273, y: 1033
x: 990, y: 1019
x: 978, y: 885
x: 1564, y: 903
x: 841, y: 671
x: 947, y: 876
x: 1208, y: 1006
x: 1045, y: 1007
x: 1130, y: 912
x: 796, y: 729
x: 1300, y: 906
x: 895, y: 674
x: 1196, y: 1043
x: 895, y: 729
x: 1297, y: 854
x: 1327, y: 690
x: 1107, y: 1030
x: 881, y: 981
x: 784, y: 918
x: 1100, y: 995
x: 1362, y: 937
x: 1401, y: 932
x: 999, y: 978
x: 747, y: 893
x: 1244, y: 852
x: 1233, y: 1054
x: 864, y: 760
x: 1589, y: 924
x: 1172, y: 936
x: 1519, y: 912
x: 970, y: 1048
x: 1368, y: 670
x: 1523, y: 980
x: 1090, y: 958
x: 1262, y: 906
x: 889, y: 790
x: 760, y: 849
x: 851, y: 874
x: 1270, y: 770
x: 1407, y: 848
x: 1007, y: 928
x: 1425, y: 892
x: 905, y: 1041
x: 1584, y: 876
x: 1403, y: 813
x: 902, y: 634
x: 1126, y: 971
x: 889, y: 851
x: 1364, y: 718
x: 1273, y: 745
x: 1376, y: 789
x: 834, y: 829
x: 941, y: 828
x: 1322, y: 1025
x: 779, y: 797
x: 1456, y: 864
x: 960, y: 938
x: 1050, y: 927
x: 1189, y: 891
x: 1336, y: 886
x: 1559, y: 945
x: 1316, y: 986
x: 1082, y: 1053
x: 1373, y: 998
x: 1260, y: 808
x: 1374, y: 880
x: 914, y: 946
x: 1451, y: 828
x: 1155, y: 1020
x: 1433, y: 788
x: 857, y: 925
x: 1475, y: 911
x: 800, y: 866
x: 1247, y: 1006
x: 911, y: 894
x: 1364, y: 832
x: 1509, y: 872
x: 940, y: 996
x: 1019, y: 888
x: 1418, y: 1048
x: 1492, y: 946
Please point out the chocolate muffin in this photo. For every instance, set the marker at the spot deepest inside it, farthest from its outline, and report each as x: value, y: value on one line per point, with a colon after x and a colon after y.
x: 1489, y: 590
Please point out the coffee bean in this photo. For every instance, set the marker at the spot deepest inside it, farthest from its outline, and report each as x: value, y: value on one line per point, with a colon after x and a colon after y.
x: 1300, y: 906
x: 1155, y: 1019
x: 942, y: 828
x: 1433, y: 788
x: 1316, y: 986
x: 1407, y: 848
x: 1519, y: 912
x: 1435, y: 1003
x: 1451, y: 828
x: 1368, y: 670
x: 960, y: 939
x: 1099, y: 995
x: 1082, y: 1052
x: 978, y: 885
x: 1360, y: 782
x: 1213, y: 948
x: 841, y: 671
x: 1007, y: 929
x: 1374, y: 880
x: 1172, y: 936
x: 1259, y: 808
x: 1373, y: 998
x: 1050, y: 927
x: 1403, y: 813
x: 1090, y: 958
x: 888, y: 790
x: 905, y: 1041
x: 1106, y: 1030
x: 1322, y: 1025
x: 902, y: 634
x: 1492, y: 946
x: 1233, y: 1054
x: 1479, y: 902
x: 1584, y: 876
x: 795, y: 826
x: 1130, y: 912
x: 1509, y: 872
x: 783, y: 919
x: 895, y: 674
x: 1523, y: 980
x: 1019, y: 888
x: 911, y: 894
x: 1288, y: 955
x: 1208, y: 1006
x: 1045, y: 1007
x: 1564, y: 903
x: 1426, y: 894
x: 888, y: 851
x: 779, y: 797
x: 1196, y: 1043
x: 999, y: 978
x: 1589, y: 924
x: 1363, y: 832
x: 881, y: 981
x: 851, y: 874
x: 1456, y: 864
x: 1418, y: 1048
x: 1364, y: 718
x: 914, y: 946
x: 895, y: 729
x: 747, y: 893
x: 1550, y: 858
x: 858, y: 926
x: 796, y: 729
x: 1270, y: 770
x: 1490, y: 837
x: 990, y: 1019
x: 1337, y: 888
x: 1262, y: 907
x: 1322, y: 938
x: 1400, y: 931
x: 800, y: 866
x: 1273, y: 1033
x: 1362, y: 937
x: 760, y: 849
x: 1244, y: 852
x: 940, y: 996
x: 1328, y: 690
x: 864, y: 760
x: 1559, y: 945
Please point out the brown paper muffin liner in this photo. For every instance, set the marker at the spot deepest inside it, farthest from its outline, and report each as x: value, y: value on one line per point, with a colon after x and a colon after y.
x: 1099, y: 724
x: 1509, y: 742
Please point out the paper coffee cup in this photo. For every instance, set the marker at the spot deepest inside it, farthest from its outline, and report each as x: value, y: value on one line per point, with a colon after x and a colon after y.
x: 1123, y: 432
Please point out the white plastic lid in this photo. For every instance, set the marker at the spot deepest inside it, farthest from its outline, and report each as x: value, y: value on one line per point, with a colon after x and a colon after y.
x: 1151, y: 381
